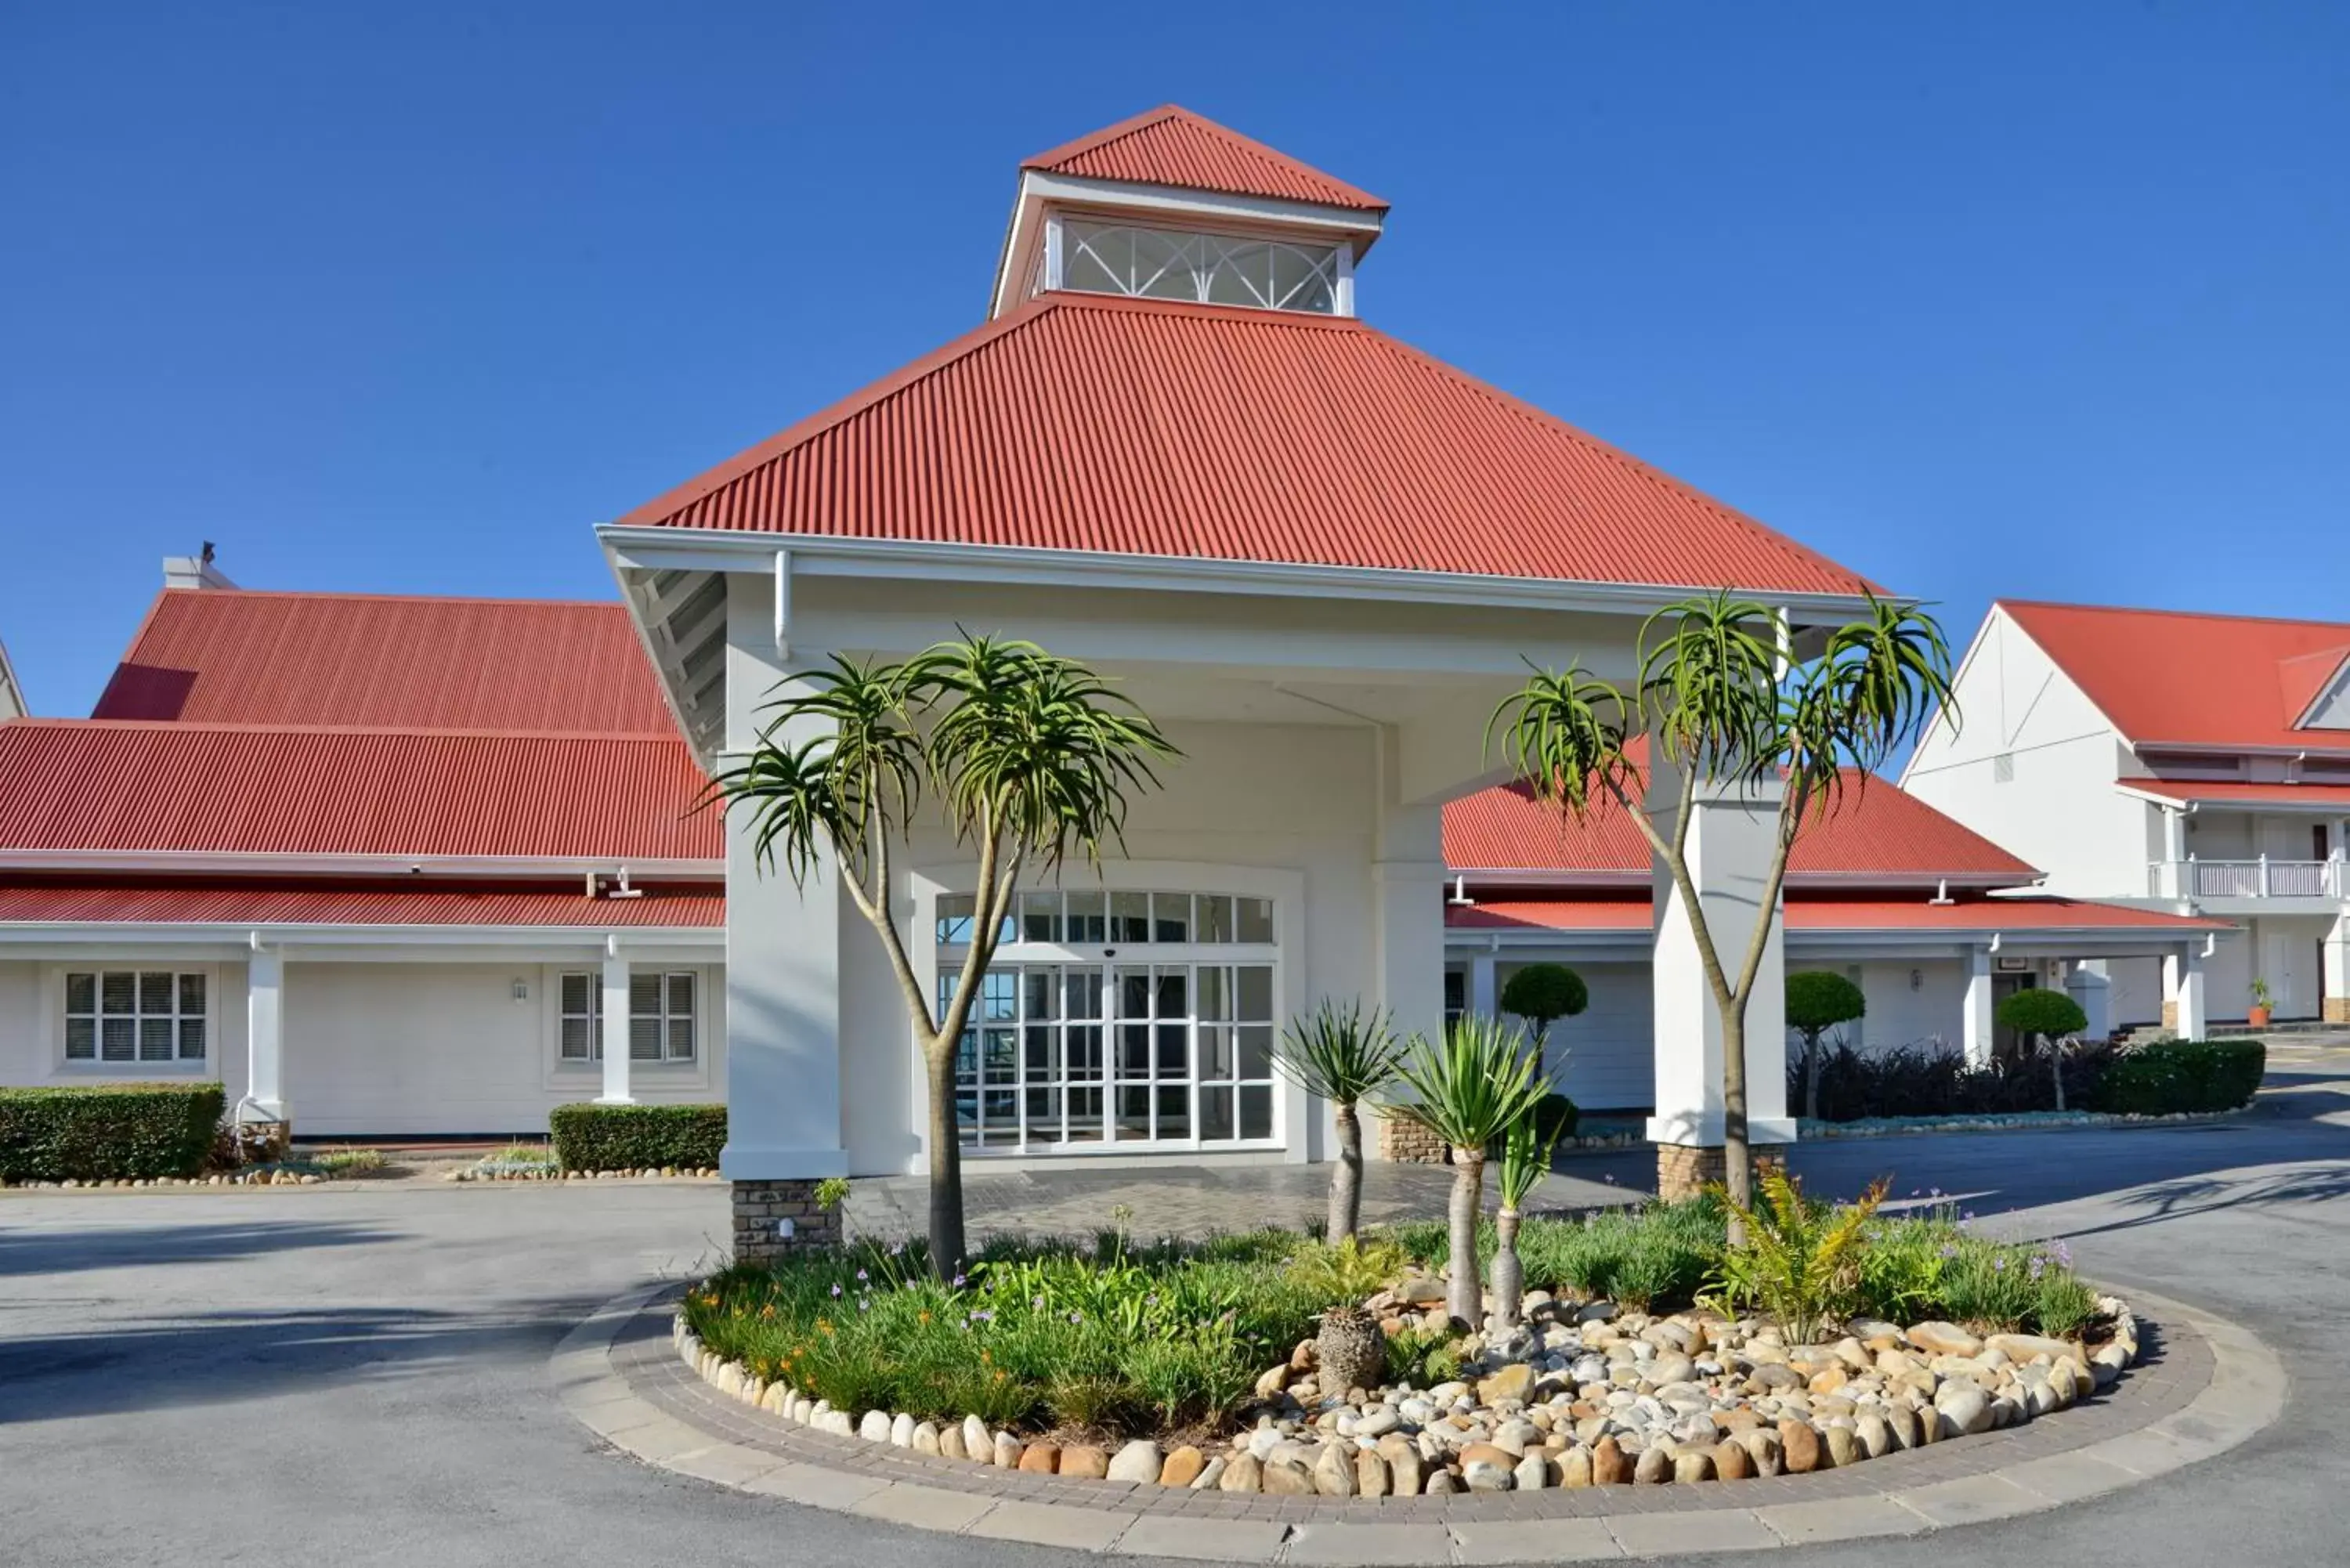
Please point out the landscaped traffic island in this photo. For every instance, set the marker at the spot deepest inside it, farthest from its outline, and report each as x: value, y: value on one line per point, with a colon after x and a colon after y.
x: 1237, y: 1364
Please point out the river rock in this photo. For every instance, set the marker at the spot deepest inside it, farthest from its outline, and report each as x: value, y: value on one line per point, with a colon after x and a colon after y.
x: 976, y: 1442
x: 1138, y: 1461
x: 1654, y: 1467
x: 1213, y: 1477
x: 1404, y: 1465
x: 1731, y: 1461
x: 1040, y: 1459
x: 1085, y: 1462
x: 1762, y: 1446
x: 1799, y: 1447
x: 1284, y: 1478
x: 1182, y: 1467
x: 2021, y: 1348
x: 901, y: 1431
x: 1370, y: 1473
x: 1965, y: 1407
x: 1842, y: 1445
x: 1608, y: 1465
x: 874, y: 1427
x: 1937, y: 1338
x: 1243, y: 1473
x: 950, y: 1443
x: 1442, y: 1483
x: 1006, y: 1451
x: 1515, y: 1381
x: 1692, y: 1465
x: 1575, y: 1467
x: 1334, y: 1470
x: 926, y: 1439
x: 1874, y: 1434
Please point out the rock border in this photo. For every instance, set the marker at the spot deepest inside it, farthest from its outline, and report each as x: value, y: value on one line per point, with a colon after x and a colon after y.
x: 643, y: 1173
x: 2211, y: 1387
x: 2006, y: 1122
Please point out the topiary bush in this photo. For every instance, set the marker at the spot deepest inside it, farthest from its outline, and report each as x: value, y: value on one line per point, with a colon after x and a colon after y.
x: 635, y: 1138
x: 2171, y: 1077
x: 107, y: 1132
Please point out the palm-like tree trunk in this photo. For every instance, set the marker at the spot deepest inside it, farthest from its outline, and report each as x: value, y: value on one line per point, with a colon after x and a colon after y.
x: 947, y: 1244
x: 1737, y: 1155
x: 2056, y: 1066
x: 1508, y: 1274
x: 1347, y: 1181
x: 1464, y: 1296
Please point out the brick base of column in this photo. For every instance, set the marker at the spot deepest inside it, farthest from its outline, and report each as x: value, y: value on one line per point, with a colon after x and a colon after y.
x: 1683, y: 1171
x: 1407, y: 1139
x: 2337, y: 1010
x: 2171, y: 1016
x: 760, y: 1205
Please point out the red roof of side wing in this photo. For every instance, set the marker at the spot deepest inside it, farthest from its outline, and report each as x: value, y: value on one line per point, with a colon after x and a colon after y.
x: 1172, y: 146
x: 1877, y: 831
x: 2167, y: 678
x: 1968, y: 916
x: 88, y: 784
x: 239, y: 657
x: 294, y: 902
x: 1147, y: 428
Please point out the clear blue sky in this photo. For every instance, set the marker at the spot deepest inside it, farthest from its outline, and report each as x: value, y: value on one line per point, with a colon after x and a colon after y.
x: 1981, y: 299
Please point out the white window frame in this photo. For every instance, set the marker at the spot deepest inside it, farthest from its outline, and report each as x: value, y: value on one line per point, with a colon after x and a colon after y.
x: 1290, y: 1136
x: 1210, y: 246
x: 54, y: 1016
x: 566, y: 1074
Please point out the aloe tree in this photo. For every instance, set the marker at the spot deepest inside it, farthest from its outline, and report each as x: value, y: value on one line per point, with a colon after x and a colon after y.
x: 1526, y: 1151
x: 1028, y: 757
x: 1724, y: 701
x: 1345, y: 1055
x: 1472, y: 1089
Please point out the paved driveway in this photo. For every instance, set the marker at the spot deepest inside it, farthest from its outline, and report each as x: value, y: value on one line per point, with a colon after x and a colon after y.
x: 354, y: 1378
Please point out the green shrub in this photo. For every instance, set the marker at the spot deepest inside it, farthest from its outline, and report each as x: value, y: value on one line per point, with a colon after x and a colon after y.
x: 106, y: 1132
x: 2171, y: 1077
x: 635, y: 1138
x: 1554, y: 1118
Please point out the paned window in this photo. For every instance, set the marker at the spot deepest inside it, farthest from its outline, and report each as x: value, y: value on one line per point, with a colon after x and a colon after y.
x: 1165, y: 1046
x: 660, y: 1015
x: 1207, y: 269
x: 134, y: 1015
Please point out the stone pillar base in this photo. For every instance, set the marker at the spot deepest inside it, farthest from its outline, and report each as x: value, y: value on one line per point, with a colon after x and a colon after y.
x: 2170, y: 1017
x: 1405, y: 1138
x: 1684, y: 1171
x: 2337, y: 1010
x: 760, y: 1205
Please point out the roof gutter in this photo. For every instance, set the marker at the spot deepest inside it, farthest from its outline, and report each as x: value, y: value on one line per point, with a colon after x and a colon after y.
x: 822, y: 554
x: 179, y: 863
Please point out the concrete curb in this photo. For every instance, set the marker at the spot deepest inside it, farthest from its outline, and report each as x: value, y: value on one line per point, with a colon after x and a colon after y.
x: 2245, y: 1392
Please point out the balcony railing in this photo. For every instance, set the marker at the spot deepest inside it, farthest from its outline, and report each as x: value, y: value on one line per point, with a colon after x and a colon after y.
x: 2260, y: 879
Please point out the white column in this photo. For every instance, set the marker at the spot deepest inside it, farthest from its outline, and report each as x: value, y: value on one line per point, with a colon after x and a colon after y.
x: 782, y: 952
x: 1729, y: 850
x: 614, y: 1034
x: 1484, y: 995
x: 2336, y: 948
x: 2174, y: 853
x: 2182, y: 983
x: 1977, y: 1020
x: 265, y: 1038
x: 2092, y: 993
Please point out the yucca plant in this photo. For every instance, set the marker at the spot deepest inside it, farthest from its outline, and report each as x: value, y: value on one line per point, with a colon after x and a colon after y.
x: 1472, y: 1090
x: 1798, y: 1261
x: 1525, y: 1159
x: 1345, y: 1055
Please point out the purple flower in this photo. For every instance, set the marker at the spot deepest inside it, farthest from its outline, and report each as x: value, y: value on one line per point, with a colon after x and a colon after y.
x: 860, y: 1276
x: 1077, y: 1317
x: 1998, y: 1264
x: 960, y: 1281
x: 835, y: 1291
x: 1038, y: 1303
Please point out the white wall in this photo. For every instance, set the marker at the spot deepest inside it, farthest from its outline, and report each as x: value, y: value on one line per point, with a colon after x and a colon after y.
x: 1899, y: 1015
x: 2059, y: 811
x: 1602, y: 1058
x: 445, y: 1048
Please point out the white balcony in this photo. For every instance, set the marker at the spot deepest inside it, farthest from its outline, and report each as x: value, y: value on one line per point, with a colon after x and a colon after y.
x: 2258, y: 879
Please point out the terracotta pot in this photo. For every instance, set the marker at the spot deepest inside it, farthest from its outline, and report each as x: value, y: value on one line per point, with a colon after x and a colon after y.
x: 2258, y: 1018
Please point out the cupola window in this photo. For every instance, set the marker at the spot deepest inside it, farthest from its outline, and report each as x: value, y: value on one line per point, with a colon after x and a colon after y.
x: 1204, y: 268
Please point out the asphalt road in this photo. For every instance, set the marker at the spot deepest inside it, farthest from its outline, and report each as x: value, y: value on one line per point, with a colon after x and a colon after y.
x: 353, y: 1377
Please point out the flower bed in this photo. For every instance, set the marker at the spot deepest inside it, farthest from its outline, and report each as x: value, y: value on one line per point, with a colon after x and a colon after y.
x: 1192, y: 1364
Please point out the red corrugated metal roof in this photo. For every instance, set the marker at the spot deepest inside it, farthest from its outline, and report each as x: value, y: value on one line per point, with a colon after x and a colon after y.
x: 2167, y: 678
x: 1878, y: 830
x: 237, y: 657
x: 1172, y: 146
x: 1978, y: 916
x: 88, y: 784
x: 293, y: 904
x: 2316, y: 795
x: 1150, y: 427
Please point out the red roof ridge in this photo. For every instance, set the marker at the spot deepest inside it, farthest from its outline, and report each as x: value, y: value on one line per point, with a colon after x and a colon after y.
x: 214, y: 726
x: 1637, y: 467
x: 341, y: 594
x: 1054, y: 158
x: 2170, y: 614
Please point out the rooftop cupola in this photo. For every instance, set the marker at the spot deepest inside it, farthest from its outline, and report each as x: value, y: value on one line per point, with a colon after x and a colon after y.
x: 1169, y: 205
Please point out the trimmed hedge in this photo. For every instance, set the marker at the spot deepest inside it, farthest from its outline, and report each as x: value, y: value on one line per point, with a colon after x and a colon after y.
x: 2173, y: 1076
x: 107, y: 1132
x: 635, y: 1138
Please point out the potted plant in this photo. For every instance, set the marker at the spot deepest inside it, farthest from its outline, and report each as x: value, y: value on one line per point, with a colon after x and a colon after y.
x: 2261, y: 999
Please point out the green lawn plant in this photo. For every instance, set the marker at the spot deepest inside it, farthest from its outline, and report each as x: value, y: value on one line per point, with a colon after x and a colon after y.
x: 2050, y: 1016
x: 1471, y: 1090
x: 1817, y: 1001
x: 1346, y: 1055
x: 1029, y: 757
x: 1797, y: 1260
x: 1724, y: 701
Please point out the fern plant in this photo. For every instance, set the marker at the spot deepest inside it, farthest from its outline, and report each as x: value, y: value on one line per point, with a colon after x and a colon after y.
x: 1798, y: 1261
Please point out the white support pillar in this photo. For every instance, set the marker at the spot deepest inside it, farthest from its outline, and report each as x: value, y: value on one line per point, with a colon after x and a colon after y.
x: 2092, y: 993
x: 2336, y: 946
x: 1729, y: 850
x: 2175, y: 883
x: 2182, y: 993
x: 1977, y: 1023
x: 782, y: 974
x: 1484, y: 996
x: 265, y: 1036
x: 613, y: 1035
